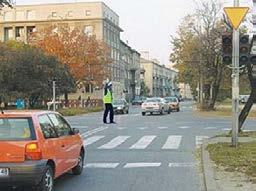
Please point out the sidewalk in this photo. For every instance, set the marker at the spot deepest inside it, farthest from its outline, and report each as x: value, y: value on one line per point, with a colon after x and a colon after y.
x: 216, y: 178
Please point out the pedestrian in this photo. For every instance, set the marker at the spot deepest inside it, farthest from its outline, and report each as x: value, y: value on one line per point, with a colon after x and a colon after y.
x: 108, y: 100
x: 88, y: 101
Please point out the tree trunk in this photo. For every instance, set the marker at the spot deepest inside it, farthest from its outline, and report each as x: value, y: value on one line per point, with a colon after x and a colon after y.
x: 252, y: 99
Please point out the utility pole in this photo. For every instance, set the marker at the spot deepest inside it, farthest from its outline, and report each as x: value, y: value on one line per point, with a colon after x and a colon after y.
x: 54, y: 94
x: 235, y: 84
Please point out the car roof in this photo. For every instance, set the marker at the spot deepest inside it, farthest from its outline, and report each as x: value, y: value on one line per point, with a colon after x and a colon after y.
x: 23, y: 113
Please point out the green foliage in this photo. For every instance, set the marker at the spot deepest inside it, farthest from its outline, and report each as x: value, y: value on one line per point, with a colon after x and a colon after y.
x: 79, y: 111
x: 197, y: 51
x: 25, y: 73
x: 6, y: 2
x: 144, y: 89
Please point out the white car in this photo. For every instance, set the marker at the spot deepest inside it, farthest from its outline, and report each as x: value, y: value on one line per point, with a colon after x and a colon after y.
x: 155, y: 105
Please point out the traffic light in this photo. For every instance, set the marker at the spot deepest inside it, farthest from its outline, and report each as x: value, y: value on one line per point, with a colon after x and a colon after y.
x: 227, y: 49
x: 244, y: 50
x: 253, y: 59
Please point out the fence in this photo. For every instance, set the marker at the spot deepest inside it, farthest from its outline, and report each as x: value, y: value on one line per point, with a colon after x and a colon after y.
x: 82, y: 103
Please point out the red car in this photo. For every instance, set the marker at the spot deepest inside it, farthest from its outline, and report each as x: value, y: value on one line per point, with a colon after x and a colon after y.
x: 36, y: 147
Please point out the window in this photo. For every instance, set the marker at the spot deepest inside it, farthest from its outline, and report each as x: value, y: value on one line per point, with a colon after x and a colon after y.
x: 8, y: 33
x: 8, y: 16
x: 88, y: 13
x: 31, y: 29
x: 16, y: 129
x: 60, y: 124
x: 54, y: 14
x: 47, y: 127
x: 31, y: 15
x: 20, y: 15
x: 70, y: 14
x: 19, y: 32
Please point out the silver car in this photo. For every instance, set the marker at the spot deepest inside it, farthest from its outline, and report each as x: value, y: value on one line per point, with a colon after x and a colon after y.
x: 155, y: 105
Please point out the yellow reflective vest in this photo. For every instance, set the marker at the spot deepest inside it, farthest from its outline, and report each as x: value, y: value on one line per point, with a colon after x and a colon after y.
x: 108, y: 97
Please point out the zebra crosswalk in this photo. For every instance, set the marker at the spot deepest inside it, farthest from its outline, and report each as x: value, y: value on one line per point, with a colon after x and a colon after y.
x: 171, y: 142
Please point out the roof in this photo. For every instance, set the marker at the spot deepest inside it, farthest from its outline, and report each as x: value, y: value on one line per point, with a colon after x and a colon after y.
x: 24, y: 113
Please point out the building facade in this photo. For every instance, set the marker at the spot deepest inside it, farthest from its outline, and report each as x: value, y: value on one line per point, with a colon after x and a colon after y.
x: 159, y: 79
x: 93, y: 17
x: 131, y: 71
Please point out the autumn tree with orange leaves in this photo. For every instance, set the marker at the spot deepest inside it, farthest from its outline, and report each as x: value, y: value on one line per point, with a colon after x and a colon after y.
x: 86, y: 57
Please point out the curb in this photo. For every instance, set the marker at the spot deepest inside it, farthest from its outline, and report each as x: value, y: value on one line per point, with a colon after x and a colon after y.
x: 209, y: 178
x: 208, y: 173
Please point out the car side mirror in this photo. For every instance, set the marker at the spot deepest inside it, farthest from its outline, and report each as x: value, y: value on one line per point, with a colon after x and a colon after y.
x: 75, y: 131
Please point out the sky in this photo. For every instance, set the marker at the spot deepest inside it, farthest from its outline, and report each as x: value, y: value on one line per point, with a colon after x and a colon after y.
x: 147, y: 24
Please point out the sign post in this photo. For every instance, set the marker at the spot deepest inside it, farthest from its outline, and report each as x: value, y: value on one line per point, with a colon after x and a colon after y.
x: 54, y: 94
x: 236, y: 15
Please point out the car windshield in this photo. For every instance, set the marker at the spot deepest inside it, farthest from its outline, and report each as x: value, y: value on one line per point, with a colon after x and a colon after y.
x: 171, y: 99
x: 152, y: 100
x: 118, y: 102
x: 15, y: 129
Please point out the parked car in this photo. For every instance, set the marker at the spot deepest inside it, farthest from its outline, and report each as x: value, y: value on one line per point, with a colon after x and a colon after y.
x: 138, y: 100
x: 36, y: 147
x: 155, y: 105
x: 173, y: 103
x: 243, y: 98
x: 120, y: 106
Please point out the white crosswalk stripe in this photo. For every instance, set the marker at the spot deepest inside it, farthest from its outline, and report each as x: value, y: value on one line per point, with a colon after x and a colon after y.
x: 109, y: 165
x: 173, y: 142
x: 101, y: 165
x: 92, y: 140
x: 114, y: 142
x: 184, y: 127
x: 143, y: 143
x: 141, y: 165
x: 199, y: 140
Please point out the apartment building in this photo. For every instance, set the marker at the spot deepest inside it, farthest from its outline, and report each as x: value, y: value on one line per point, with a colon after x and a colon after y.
x: 93, y: 17
x: 158, y: 78
x: 130, y: 70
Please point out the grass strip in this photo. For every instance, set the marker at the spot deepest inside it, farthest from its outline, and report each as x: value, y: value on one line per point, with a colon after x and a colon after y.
x: 78, y: 111
x: 240, y: 159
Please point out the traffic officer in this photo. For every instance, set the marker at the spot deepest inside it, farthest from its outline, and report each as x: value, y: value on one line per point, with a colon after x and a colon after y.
x: 108, y: 100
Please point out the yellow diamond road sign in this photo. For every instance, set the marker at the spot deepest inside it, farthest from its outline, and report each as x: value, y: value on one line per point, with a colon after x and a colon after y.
x: 236, y: 15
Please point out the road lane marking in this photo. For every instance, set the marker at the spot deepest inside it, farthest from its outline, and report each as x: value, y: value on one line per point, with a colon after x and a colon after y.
x: 101, y: 165
x: 143, y: 128
x: 162, y: 127
x: 184, y: 127
x: 114, y: 142
x: 199, y: 140
x: 143, y: 143
x: 89, y: 133
x: 226, y: 129
x: 182, y: 165
x: 141, y: 165
x: 80, y: 127
x: 121, y: 128
x: 92, y: 140
x: 173, y: 142
x: 209, y: 128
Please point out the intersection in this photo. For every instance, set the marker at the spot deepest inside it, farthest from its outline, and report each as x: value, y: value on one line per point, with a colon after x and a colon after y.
x: 143, y: 152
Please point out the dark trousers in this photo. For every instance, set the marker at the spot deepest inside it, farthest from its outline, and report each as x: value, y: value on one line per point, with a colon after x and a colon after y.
x: 108, y: 109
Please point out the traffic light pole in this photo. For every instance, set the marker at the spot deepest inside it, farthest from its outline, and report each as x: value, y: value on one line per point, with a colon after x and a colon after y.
x: 235, y: 84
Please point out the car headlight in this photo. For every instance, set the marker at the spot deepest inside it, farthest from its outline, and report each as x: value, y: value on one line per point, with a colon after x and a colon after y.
x: 119, y: 107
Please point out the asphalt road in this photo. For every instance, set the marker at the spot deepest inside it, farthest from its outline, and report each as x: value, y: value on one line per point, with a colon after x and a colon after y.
x: 143, y: 153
